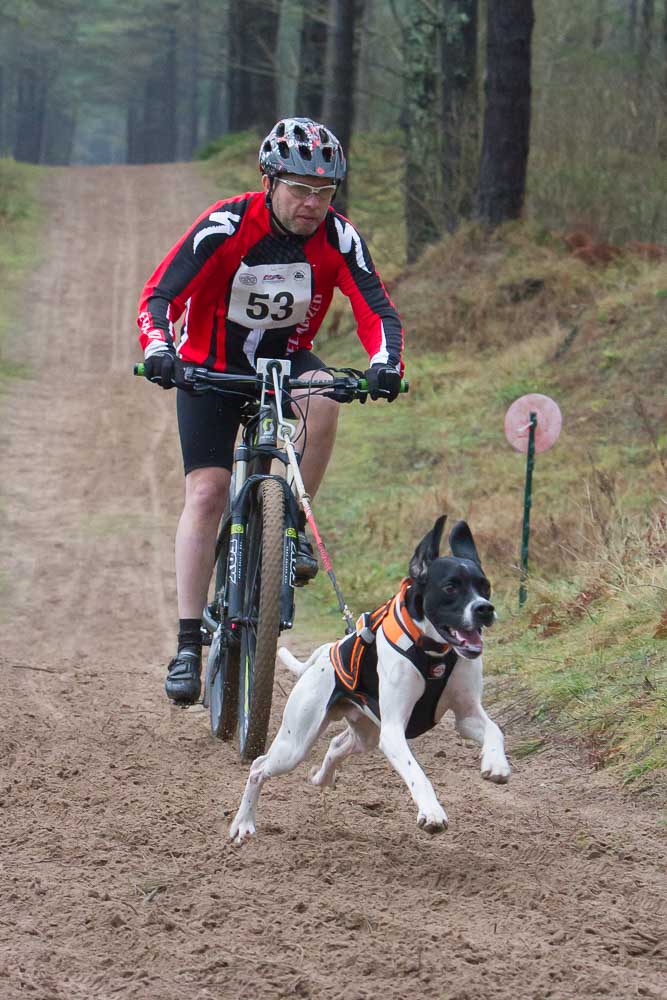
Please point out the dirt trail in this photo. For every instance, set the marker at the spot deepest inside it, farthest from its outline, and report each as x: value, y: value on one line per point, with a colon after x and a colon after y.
x: 116, y: 877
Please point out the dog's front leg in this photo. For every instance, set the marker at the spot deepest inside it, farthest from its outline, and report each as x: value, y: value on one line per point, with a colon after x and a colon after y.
x: 401, y: 686
x: 463, y: 695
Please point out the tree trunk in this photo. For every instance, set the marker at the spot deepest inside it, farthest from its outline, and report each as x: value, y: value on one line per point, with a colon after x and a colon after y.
x: 30, y: 115
x: 238, y: 75
x: 505, y: 142
x: 170, y: 98
x: 598, y: 23
x: 662, y: 136
x: 134, y: 130
x: 263, y: 107
x: 645, y: 37
x: 215, y: 114
x: 363, y: 120
x: 217, y: 109
x: 460, y: 112
x: 423, y: 194
x: 338, y: 105
x: 153, y: 124
x: 252, y: 65
x: 312, y: 61
x: 191, y: 131
x: 3, y: 130
x: 632, y: 23
x: 59, y: 135
x: 160, y: 112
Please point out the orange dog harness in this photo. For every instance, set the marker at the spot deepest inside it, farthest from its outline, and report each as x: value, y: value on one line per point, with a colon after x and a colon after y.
x: 354, y: 660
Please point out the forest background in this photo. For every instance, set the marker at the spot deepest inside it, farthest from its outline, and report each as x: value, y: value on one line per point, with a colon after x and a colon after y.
x: 113, y: 81
x: 568, y: 299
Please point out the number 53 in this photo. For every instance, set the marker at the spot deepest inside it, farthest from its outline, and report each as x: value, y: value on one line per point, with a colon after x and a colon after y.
x: 259, y: 305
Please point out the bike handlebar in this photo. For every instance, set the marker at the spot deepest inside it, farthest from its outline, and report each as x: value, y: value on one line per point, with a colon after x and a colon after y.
x: 344, y: 387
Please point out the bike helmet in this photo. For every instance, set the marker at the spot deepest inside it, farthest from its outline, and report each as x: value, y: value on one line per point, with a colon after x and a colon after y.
x: 302, y: 146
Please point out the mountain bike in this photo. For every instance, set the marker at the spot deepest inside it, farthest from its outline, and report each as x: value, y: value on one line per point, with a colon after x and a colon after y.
x: 256, y: 548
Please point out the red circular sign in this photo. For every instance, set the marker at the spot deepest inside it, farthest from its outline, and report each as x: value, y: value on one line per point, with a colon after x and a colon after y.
x: 547, y: 429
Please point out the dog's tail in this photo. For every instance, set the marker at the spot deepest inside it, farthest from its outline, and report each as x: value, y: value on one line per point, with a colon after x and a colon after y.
x: 296, y: 666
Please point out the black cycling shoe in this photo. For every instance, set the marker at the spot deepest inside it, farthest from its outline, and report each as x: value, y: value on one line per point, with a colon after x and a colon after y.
x: 183, y: 683
x: 306, y: 566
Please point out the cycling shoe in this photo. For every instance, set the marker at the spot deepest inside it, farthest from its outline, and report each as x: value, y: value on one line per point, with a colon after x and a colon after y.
x: 183, y: 683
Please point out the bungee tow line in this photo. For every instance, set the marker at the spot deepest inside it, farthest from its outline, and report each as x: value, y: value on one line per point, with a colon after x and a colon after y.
x: 285, y: 432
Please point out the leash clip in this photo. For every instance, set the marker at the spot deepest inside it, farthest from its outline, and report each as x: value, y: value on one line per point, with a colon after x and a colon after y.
x: 364, y: 629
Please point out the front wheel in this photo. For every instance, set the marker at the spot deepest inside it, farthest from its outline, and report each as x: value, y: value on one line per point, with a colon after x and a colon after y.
x: 261, y: 617
x: 222, y: 678
x: 222, y: 665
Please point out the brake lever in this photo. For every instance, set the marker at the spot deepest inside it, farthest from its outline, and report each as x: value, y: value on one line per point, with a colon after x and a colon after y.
x: 343, y: 394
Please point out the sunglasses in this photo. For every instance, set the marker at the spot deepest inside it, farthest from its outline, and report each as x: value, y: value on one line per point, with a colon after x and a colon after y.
x: 303, y: 191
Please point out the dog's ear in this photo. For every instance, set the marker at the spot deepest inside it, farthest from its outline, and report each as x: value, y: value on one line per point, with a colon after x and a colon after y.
x: 462, y: 543
x: 427, y: 550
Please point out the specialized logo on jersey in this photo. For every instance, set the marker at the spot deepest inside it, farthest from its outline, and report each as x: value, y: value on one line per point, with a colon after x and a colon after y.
x: 349, y: 237
x: 146, y: 322
x: 228, y: 224
x: 313, y: 310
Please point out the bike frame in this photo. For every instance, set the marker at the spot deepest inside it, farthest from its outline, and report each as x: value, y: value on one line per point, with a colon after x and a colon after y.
x: 252, y: 462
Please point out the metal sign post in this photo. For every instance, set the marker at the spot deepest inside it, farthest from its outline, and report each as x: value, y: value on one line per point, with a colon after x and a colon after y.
x: 527, y: 501
x: 532, y: 424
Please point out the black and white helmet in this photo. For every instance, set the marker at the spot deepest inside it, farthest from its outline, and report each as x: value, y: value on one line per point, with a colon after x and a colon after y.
x: 302, y: 146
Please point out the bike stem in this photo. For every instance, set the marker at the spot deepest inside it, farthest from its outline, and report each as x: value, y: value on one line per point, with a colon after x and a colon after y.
x: 285, y: 432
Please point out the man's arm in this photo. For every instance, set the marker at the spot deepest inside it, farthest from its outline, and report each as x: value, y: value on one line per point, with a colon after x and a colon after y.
x: 378, y: 323
x: 183, y: 270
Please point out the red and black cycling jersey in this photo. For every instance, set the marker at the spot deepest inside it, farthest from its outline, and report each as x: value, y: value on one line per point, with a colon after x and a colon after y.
x: 246, y: 291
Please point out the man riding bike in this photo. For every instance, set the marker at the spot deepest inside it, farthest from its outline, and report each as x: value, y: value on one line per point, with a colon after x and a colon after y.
x: 254, y: 276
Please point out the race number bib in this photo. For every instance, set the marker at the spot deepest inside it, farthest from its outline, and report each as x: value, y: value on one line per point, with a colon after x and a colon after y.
x: 270, y: 296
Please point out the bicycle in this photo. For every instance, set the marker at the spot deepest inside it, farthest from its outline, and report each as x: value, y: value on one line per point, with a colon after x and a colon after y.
x: 257, y: 545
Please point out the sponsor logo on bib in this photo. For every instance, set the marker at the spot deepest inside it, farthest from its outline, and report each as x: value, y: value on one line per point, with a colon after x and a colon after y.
x: 248, y: 279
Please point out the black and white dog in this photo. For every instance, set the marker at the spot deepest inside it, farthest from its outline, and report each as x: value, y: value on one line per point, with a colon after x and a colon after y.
x: 409, y: 661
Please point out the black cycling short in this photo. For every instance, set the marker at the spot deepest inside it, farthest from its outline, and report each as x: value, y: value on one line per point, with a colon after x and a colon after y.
x: 207, y: 424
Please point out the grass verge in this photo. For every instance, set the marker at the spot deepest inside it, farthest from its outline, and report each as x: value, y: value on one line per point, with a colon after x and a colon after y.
x: 592, y: 652
x: 18, y: 182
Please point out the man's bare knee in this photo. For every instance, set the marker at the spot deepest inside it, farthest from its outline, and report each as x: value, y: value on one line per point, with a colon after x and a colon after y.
x: 323, y: 412
x: 206, y: 492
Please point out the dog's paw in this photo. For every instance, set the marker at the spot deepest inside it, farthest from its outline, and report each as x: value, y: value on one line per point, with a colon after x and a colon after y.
x: 322, y: 778
x: 434, y: 821
x: 241, y: 830
x: 495, y: 767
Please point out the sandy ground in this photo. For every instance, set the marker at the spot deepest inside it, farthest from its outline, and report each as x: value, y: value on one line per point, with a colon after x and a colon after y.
x: 117, y: 879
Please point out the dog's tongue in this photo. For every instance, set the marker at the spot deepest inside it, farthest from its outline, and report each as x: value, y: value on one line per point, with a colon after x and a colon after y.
x: 468, y: 639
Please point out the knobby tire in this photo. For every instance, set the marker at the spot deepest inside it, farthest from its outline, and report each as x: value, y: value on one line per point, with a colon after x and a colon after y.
x: 259, y: 638
x: 222, y: 676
